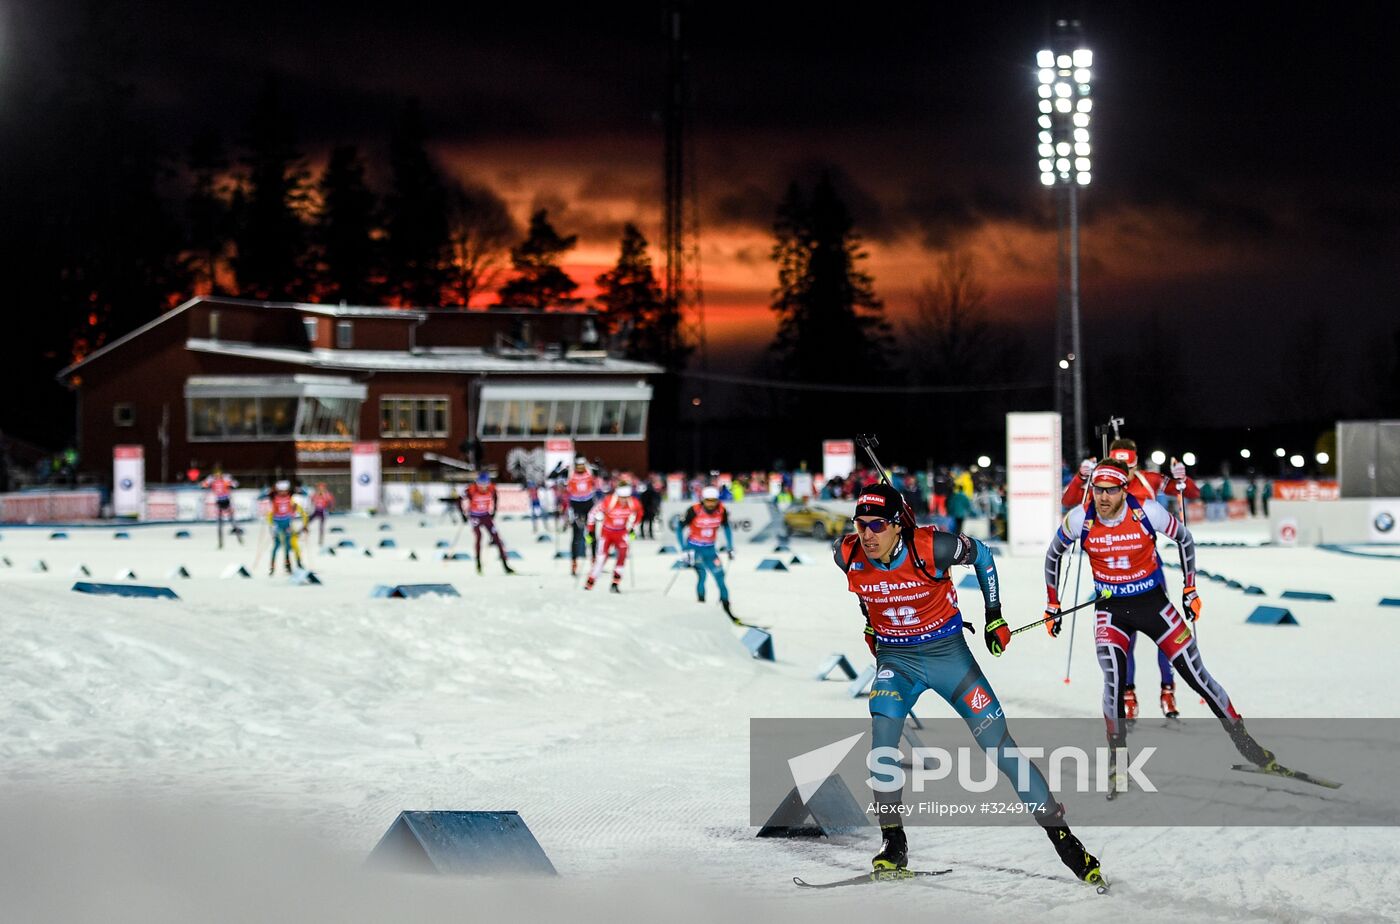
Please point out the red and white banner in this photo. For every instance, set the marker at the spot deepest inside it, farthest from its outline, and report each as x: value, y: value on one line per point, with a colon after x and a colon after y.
x: 1307, y: 490
x: 128, y: 480
x: 1033, y: 487
x: 558, y: 452
x: 50, y: 506
x: 838, y: 458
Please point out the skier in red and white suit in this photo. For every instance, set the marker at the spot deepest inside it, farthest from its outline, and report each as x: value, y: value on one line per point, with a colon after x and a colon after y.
x: 1118, y: 535
x: 616, y: 515
x: 1145, y: 486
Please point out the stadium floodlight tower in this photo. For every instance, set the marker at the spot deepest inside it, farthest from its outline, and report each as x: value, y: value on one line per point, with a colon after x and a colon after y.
x: 1064, y: 77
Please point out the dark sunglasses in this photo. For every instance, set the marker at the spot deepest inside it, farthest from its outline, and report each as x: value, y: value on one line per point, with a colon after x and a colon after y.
x: 875, y: 526
x: 1110, y: 490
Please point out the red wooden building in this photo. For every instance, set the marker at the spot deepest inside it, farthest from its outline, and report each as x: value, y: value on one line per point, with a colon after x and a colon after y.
x: 281, y: 390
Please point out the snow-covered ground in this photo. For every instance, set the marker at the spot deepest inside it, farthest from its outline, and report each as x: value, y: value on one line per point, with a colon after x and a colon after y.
x: 234, y: 755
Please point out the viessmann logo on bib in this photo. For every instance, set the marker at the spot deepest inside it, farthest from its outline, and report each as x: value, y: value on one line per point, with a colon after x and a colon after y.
x: 885, y: 587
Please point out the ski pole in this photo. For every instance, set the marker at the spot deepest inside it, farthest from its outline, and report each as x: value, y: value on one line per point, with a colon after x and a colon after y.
x: 262, y: 534
x: 1074, y: 619
x: 451, y: 549
x: 1181, y: 553
x: 1101, y: 595
x: 674, y: 576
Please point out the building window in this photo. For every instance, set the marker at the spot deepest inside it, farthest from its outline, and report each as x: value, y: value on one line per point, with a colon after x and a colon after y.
x: 123, y: 415
x: 213, y: 325
x: 344, y: 335
x: 274, y: 417
x: 538, y: 418
x: 311, y: 325
x: 414, y: 415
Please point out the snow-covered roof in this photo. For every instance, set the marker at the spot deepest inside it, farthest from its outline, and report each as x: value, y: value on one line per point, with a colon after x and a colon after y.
x: 435, y: 360
x: 337, y: 311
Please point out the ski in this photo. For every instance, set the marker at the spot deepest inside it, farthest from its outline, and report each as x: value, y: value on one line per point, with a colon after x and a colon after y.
x: 879, y: 875
x: 1099, y: 883
x: 746, y: 625
x: 1286, y: 773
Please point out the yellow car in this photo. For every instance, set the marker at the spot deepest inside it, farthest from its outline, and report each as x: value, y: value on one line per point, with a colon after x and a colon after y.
x: 817, y: 522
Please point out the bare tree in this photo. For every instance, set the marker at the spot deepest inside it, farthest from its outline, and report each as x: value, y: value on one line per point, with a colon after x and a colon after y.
x: 480, y: 231
x: 951, y: 341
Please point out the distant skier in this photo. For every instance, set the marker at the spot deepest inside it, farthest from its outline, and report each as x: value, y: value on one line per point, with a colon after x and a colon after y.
x: 536, y: 508
x: 696, y: 534
x: 285, y: 508
x: 221, y: 486
x: 615, y: 515
x: 479, y: 508
x: 901, y: 574
x: 580, y: 489
x: 1118, y: 534
x: 649, y: 493
x: 1144, y: 486
x: 322, y: 503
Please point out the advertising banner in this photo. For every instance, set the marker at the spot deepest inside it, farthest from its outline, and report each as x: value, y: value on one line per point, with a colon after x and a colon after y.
x: 1307, y: 490
x: 364, y: 476
x: 128, y: 480
x: 838, y: 458
x: 1384, y: 513
x: 1033, y: 487
x: 558, y: 452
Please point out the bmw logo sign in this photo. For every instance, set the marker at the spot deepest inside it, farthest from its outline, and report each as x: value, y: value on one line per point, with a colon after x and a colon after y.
x: 364, y: 478
x: 126, y: 484
x: 1384, y: 522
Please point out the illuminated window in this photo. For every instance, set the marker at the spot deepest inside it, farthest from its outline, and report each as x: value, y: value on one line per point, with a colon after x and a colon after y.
x: 531, y: 413
x: 413, y: 416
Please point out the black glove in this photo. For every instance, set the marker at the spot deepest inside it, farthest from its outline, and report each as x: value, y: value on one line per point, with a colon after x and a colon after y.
x: 997, y: 634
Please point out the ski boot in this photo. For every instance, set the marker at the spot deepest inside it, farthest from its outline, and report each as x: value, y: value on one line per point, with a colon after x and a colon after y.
x: 724, y: 605
x: 894, y: 850
x: 588, y: 584
x: 699, y: 598
x: 1117, y: 782
x: 478, y: 564
x: 1249, y: 749
x: 1169, y: 701
x: 614, y: 588
x: 573, y: 567
x: 509, y: 569
x: 1081, y: 862
x: 1130, y: 707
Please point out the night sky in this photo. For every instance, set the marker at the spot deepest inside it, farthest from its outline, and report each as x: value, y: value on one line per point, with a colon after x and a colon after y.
x: 1245, y: 186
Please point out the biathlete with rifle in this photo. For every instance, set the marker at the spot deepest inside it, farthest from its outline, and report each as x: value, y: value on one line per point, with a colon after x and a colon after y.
x: 1118, y: 534
x: 1144, y: 486
x: 901, y: 574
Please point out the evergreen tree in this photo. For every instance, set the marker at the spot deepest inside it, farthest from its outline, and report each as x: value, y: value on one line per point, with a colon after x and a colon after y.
x: 480, y: 230
x: 271, y: 236
x: 206, y: 213
x: 829, y: 316
x: 634, y: 307
x: 347, y: 251
x: 416, y: 244
x: 539, y: 282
